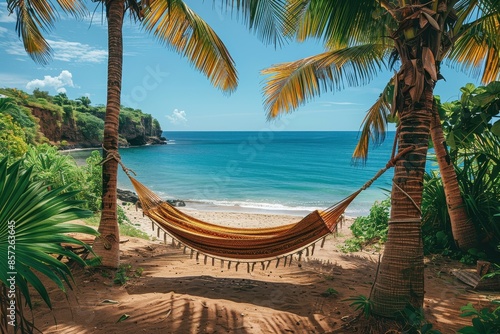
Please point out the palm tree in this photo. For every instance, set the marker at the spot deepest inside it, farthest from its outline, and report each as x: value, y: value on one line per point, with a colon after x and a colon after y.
x: 362, y: 38
x: 374, y: 125
x: 462, y: 228
x: 174, y: 23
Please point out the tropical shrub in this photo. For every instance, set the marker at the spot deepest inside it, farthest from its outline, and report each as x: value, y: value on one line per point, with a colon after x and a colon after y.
x: 33, y: 226
x: 479, y: 181
x: 413, y: 321
x: 436, y: 228
x: 370, y: 229
x: 52, y: 167
x: 473, y: 140
x: 484, y: 321
x: 90, y: 126
x: 91, y: 186
x: 57, y: 170
x: 12, y: 138
x: 22, y: 117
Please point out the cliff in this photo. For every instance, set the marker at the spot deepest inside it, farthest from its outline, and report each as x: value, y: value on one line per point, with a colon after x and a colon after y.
x: 76, y: 124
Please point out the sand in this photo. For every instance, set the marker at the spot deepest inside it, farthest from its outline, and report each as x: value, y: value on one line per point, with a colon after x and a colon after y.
x: 177, y: 294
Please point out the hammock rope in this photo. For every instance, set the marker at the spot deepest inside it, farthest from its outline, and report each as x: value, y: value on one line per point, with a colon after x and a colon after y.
x: 244, y: 245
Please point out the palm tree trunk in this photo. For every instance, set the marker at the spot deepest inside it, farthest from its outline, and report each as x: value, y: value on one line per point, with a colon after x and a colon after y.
x: 464, y: 232
x: 107, y: 245
x: 400, y: 277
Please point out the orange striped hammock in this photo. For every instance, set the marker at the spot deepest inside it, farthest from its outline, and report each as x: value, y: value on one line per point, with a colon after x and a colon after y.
x: 248, y: 245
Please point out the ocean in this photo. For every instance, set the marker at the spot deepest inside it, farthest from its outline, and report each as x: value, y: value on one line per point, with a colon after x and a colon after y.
x: 261, y: 171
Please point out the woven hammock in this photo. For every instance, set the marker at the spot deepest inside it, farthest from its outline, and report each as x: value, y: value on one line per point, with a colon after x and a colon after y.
x: 245, y: 244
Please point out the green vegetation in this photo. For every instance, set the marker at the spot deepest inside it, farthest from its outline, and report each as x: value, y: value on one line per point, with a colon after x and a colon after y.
x: 125, y: 225
x: 484, y: 321
x: 125, y: 272
x: 369, y: 230
x: 59, y: 170
x: 474, y: 150
x: 33, y: 226
x: 76, y: 115
x: 330, y: 292
x: 413, y: 321
x: 12, y: 138
x: 361, y: 303
x: 90, y: 126
x: 475, y: 153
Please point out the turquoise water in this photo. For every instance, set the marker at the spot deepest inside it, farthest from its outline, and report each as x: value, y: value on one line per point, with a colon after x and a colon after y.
x: 266, y: 171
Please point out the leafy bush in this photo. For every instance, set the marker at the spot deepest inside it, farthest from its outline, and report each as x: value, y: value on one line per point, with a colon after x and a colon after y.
x: 413, y: 321
x: 91, y: 185
x: 91, y: 127
x: 52, y: 167
x: 122, y: 216
x: 33, y: 226
x: 12, y: 138
x: 370, y: 229
x: 484, y: 321
x: 68, y: 111
x: 473, y: 140
x: 56, y: 170
x: 479, y: 180
x: 480, y: 185
x: 22, y: 117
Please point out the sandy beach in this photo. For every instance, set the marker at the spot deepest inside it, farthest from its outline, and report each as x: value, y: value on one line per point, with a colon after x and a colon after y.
x: 176, y: 294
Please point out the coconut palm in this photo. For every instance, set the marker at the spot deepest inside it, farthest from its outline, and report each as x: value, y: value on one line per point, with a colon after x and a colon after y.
x: 462, y: 228
x: 173, y: 23
x: 33, y: 227
x: 464, y: 233
x: 362, y: 38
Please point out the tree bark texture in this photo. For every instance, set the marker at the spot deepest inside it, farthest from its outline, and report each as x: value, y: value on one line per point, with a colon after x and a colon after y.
x: 400, y: 277
x: 107, y: 244
x: 462, y: 228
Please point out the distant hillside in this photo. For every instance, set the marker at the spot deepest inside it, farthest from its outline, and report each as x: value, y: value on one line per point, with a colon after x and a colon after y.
x: 70, y: 123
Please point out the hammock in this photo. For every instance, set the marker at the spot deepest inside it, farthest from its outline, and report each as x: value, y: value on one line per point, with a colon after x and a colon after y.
x: 245, y: 244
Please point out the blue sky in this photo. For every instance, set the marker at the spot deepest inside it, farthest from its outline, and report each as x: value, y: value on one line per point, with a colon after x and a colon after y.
x: 162, y: 83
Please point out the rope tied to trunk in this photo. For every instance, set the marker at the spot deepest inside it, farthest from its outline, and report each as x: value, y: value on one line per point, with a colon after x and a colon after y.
x: 113, y: 154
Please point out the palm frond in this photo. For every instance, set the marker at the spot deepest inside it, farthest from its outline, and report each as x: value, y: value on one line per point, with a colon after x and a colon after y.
x: 291, y: 84
x: 73, y: 7
x: 176, y: 25
x: 339, y: 23
x: 33, y: 17
x: 477, y: 43
x: 374, y: 126
x: 267, y: 18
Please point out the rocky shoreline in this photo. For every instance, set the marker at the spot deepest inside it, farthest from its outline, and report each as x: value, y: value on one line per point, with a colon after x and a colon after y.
x: 127, y: 196
x: 122, y: 144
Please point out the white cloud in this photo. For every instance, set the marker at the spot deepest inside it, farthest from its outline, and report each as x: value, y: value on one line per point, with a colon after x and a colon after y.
x: 64, y: 79
x: 77, y: 52
x: 62, y: 50
x: 3, y: 31
x: 177, y: 117
x: 15, y: 48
